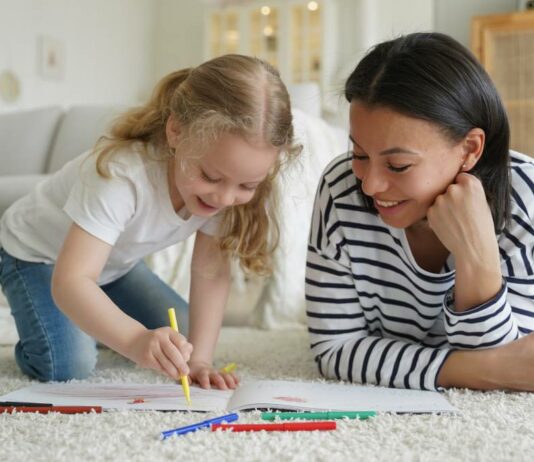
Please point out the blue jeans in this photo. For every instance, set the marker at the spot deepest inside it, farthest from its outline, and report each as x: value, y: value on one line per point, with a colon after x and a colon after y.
x: 53, y: 348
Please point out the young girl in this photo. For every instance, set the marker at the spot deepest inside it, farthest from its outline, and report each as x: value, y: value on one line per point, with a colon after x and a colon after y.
x: 200, y: 157
x: 420, y: 262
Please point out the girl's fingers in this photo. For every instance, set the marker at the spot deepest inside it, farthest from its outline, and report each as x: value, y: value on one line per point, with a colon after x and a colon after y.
x: 203, y: 380
x: 180, y: 342
x: 175, y: 356
x: 229, y: 381
x: 218, y: 381
x: 165, y: 365
x: 236, y: 378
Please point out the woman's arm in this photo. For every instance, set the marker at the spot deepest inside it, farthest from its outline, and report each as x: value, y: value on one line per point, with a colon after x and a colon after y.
x: 340, y: 339
x: 507, y: 367
x: 461, y: 218
x: 77, y: 294
x: 345, y: 350
x: 210, y: 284
x: 493, y: 301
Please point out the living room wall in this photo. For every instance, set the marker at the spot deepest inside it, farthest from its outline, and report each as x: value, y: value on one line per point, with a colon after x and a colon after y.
x: 116, y: 49
x: 108, y: 48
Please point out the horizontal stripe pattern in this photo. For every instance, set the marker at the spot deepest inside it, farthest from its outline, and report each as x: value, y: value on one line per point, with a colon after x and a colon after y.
x: 374, y: 316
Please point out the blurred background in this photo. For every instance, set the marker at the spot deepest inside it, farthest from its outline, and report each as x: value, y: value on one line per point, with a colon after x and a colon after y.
x: 72, y: 52
x: 67, y: 67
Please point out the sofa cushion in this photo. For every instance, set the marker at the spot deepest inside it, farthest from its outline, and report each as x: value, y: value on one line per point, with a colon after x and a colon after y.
x: 25, y: 139
x: 79, y: 130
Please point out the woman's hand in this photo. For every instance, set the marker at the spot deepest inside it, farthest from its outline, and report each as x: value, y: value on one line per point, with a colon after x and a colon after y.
x: 207, y: 376
x: 162, y: 349
x: 461, y: 219
x: 506, y: 367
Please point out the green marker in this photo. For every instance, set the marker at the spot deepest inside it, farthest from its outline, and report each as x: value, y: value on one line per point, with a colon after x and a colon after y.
x: 361, y: 415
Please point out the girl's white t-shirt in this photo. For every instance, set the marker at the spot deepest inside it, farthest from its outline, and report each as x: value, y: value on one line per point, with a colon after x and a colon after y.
x: 131, y: 211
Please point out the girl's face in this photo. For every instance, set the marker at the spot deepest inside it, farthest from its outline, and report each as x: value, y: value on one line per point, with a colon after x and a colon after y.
x: 403, y: 163
x: 227, y: 174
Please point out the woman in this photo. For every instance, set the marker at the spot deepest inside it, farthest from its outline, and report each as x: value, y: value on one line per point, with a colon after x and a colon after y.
x: 419, y: 271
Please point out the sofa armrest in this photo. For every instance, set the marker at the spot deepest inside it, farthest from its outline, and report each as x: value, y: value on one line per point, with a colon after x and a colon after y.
x: 13, y: 187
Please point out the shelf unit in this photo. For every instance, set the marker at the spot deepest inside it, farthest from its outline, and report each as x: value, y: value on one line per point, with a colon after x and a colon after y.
x: 296, y: 36
x: 504, y: 44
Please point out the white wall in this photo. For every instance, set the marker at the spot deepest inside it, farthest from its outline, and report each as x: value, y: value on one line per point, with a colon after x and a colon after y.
x: 116, y: 49
x: 364, y: 23
x: 179, y: 35
x: 108, y: 45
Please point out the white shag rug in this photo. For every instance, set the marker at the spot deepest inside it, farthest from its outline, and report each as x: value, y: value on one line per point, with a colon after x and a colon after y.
x: 492, y: 426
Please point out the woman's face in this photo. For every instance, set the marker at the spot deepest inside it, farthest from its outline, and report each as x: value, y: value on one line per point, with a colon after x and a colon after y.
x: 403, y: 163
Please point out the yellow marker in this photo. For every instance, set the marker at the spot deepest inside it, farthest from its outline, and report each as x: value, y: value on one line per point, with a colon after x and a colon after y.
x: 184, y: 379
x: 229, y: 368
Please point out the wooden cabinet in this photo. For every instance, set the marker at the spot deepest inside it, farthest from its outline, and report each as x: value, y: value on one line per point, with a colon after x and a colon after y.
x: 504, y: 44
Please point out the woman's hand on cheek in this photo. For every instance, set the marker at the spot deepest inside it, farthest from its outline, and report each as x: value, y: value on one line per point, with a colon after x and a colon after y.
x: 207, y: 376
x: 461, y: 219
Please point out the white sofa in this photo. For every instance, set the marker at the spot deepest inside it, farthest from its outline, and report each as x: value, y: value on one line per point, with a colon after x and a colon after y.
x: 35, y: 143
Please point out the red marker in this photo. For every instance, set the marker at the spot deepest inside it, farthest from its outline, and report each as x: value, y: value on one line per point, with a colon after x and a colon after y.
x: 278, y: 427
x: 47, y: 409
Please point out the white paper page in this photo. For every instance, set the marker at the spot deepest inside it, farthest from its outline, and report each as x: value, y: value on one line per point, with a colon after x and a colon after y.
x: 129, y: 396
x: 335, y: 397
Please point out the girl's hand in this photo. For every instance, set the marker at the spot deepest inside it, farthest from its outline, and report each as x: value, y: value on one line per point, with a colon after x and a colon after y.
x: 206, y: 376
x: 162, y: 349
x: 461, y: 219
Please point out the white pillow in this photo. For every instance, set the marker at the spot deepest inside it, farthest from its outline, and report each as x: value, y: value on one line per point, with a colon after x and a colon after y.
x: 282, y: 303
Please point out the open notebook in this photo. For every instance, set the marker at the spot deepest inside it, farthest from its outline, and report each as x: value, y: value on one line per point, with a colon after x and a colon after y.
x: 277, y: 395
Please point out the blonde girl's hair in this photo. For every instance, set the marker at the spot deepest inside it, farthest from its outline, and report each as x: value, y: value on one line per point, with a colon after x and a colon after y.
x: 235, y: 94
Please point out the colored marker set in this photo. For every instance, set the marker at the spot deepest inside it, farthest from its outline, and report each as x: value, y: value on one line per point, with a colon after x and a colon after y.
x: 45, y: 408
x: 224, y: 422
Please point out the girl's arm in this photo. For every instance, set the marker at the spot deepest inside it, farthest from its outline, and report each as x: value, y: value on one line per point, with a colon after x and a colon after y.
x: 77, y: 294
x: 210, y: 284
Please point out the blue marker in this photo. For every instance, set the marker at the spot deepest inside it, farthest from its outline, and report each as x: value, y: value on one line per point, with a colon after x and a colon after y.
x: 198, y: 426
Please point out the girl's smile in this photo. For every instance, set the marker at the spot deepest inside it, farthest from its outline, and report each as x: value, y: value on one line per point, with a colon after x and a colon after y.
x: 209, y: 208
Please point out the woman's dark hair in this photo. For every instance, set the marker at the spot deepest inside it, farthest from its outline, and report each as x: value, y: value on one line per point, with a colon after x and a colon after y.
x: 430, y: 76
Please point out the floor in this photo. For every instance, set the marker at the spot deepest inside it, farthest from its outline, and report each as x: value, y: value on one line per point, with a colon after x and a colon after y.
x: 490, y: 426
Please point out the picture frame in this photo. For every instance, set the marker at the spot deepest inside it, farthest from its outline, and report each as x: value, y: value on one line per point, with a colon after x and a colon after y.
x: 52, y: 58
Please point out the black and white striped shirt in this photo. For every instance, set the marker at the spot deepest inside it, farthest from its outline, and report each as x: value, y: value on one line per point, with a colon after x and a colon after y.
x: 375, y: 316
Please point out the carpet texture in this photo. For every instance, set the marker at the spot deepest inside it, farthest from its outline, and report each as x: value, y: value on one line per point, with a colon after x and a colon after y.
x: 492, y: 426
